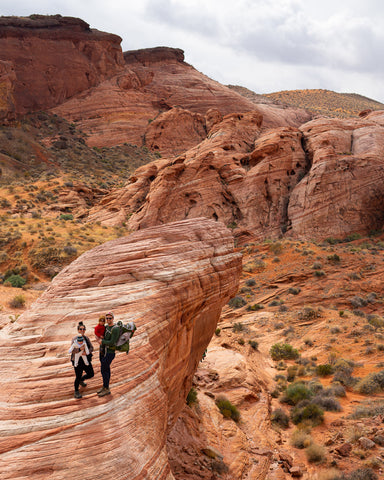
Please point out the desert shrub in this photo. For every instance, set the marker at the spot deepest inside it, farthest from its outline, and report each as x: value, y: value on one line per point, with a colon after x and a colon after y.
x: 192, y: 396
x: 295, y: 393
x: 18, y: 301
x: 309, y: 313
x: 292, y: 372
x: 362, y: 474
x: 315, y: 453
x: 237, y: 302
x: 300, y: 439
x: 255, y: 307
x: 308, y: 342
x: 315, y: 386
x: 309, y: 413
x: 227, y: 409
x: 285, y: 351
x: 3, y: 256
x: 357, y: 301
x: 217, y: 332
x: 336, y: 390
x: 375, y: 321
x: 66, y: 216
x: 316, y: 266
x: 16, y: 281
x: 238, y: 327
x: 294, y: 290
x: 327, y: 403
x: 280, y: 418
x: 276, y: 248
x: 372, y: 383
x: 335, y: 329
x: 324, y: 370
x: 251, y: 282
x: 70, y: 250
x: 333, y: 258
x: 254, y: 344
x: 319, y: 273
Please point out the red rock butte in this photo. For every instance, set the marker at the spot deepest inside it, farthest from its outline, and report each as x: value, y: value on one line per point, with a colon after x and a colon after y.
x: 172, y: 281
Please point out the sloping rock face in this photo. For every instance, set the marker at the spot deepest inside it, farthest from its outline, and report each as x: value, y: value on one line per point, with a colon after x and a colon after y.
x: 322, y: 179
x: 172, y: 281
x: 131, y: 106
x: 54, y: 58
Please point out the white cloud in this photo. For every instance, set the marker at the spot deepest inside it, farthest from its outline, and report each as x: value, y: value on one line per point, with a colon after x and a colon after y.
x: 265, y: 45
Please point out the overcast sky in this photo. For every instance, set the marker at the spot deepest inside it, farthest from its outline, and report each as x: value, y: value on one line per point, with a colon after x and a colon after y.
x: 266, y: 46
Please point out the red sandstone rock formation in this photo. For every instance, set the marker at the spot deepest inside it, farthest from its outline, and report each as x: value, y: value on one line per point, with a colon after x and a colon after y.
x: 130, y: 107
x: 172, y: 281
x: 343, y: 192
x: 263, y: 184
x: 7, y: 79
x: 55, y: 57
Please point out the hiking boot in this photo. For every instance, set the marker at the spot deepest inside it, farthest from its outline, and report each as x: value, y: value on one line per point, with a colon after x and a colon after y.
x: 83, y: 384
x: 103, y: 392
x: 77, y: 394
x: 101, y: 389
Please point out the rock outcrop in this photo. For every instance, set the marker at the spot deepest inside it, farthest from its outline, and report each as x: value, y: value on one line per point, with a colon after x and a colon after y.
x: 131, y: 106
x: 322, y: 179
x: 172, y: 281
x: 54, y: 58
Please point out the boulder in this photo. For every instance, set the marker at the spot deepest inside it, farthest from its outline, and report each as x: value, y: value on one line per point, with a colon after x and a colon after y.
x: 172, y: 281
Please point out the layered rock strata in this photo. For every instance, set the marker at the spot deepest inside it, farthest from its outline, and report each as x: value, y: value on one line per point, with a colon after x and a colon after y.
x: 322, y: 179
x: 172, y: 281
x: 54, y: 58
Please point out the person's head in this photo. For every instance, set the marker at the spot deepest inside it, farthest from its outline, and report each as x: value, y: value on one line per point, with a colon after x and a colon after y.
x: 102, y: 320
x: 81, y: 328
x: 109, y: 318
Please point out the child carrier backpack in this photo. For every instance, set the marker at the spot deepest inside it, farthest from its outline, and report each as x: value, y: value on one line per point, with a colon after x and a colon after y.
x: 126, y: 333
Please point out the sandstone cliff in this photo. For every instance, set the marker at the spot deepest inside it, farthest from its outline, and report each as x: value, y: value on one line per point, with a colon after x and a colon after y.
x: 134, y: 105
x: 54, y: 58
x: 172, y: 281
x: 322, y: 179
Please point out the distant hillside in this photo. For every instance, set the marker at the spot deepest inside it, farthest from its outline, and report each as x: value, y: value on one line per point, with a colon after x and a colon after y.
x: 318, y: 102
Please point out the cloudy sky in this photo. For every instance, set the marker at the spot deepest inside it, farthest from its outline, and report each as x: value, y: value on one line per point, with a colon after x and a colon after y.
x: 264, y: 45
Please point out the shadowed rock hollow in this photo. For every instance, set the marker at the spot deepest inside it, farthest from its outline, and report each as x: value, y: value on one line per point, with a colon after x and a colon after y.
x: 172, y: 281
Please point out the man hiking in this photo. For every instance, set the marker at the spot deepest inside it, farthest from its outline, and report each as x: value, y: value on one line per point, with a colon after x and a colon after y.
x: 110, y: 338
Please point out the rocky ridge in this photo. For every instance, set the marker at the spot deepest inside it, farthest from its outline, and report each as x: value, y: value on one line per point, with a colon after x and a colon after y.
x: 172, y: 281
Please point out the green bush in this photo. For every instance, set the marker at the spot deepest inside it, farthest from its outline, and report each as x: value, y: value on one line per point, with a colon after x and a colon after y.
x: 255, y: 307
x: 66, y: 216
x: 238, y: 327
x: 324, y: 370
x: 192, y: 396
x: 309, y: 413
x: 16, y: 281
x: 227, y: 409
x: 253, y: 344
x: 237, y: 302
x: 280, y: 351
x: 295, y: 393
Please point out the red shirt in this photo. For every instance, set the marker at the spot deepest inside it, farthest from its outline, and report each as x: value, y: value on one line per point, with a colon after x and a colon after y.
x: 99, y: 330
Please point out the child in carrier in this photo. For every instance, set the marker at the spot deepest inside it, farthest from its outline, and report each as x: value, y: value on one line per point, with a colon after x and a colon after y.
x: 100, y: 327
x: 79, y: 343
x: 100, y: 332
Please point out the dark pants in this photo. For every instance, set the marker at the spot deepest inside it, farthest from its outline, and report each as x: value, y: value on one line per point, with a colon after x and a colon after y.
x: 82, y: 367
x: 106, y: 368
